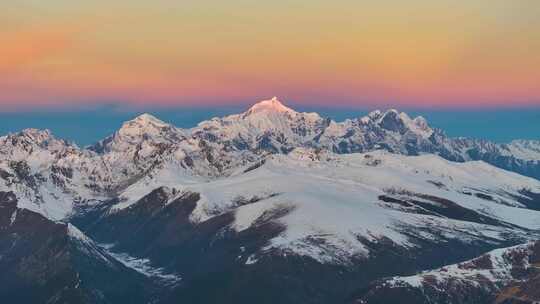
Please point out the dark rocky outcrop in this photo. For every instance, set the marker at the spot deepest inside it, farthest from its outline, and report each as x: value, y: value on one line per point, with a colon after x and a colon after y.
x: 42, y: 261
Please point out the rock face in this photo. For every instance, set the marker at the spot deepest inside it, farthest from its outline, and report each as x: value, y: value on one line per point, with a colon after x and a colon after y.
x: 270, y: 205
x: 507, y: 275
x: 47, y: 262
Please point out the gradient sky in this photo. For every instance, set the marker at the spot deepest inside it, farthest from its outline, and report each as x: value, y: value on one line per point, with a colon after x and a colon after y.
x: 348, y: 53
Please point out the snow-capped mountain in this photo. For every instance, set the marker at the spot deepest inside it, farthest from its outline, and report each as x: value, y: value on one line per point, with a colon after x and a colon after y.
x: 347, y: 200
x: 270, y: 126
x: 142, y: 132
x: 272, y: 197
x: 329, y: 213
x: 42, y: 168
x: 267, y: 126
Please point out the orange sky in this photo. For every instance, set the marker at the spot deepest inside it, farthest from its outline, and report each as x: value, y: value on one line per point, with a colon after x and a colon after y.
x: 401, y: 53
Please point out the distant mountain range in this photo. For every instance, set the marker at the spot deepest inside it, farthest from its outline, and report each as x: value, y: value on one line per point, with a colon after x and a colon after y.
x: 269, y: 206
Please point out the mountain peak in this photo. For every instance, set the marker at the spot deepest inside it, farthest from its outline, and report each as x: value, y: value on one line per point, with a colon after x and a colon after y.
x: 269, y: 105
x: 142, y: 124
x: 29, y: 139
x: 146, y: 118
x: 37, y: 136
x: 394, y: 120
x: 143, y: 128
x: 36, y: 133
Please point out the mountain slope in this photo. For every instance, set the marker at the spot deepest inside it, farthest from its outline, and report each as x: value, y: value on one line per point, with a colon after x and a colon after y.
x: 507, y: 275
x: 47, y: 262
x: 317, y: 212
x: 250, y: 205
x: 381, y: 192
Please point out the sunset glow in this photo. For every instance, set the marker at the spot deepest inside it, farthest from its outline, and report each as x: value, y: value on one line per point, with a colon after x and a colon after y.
x: 350, y: 53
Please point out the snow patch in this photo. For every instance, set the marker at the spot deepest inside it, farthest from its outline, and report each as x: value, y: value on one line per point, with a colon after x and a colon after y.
x: 143, y: 266
x: 251, y: 260
x: 13, y: 217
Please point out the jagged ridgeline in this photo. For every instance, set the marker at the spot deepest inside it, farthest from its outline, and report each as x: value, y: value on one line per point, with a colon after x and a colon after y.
x: 269, y: 206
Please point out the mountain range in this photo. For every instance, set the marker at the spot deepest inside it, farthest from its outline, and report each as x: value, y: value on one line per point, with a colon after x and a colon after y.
x: 270, y: 205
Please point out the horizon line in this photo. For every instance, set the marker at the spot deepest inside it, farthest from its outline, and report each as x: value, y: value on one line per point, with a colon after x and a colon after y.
x: 124, y: 107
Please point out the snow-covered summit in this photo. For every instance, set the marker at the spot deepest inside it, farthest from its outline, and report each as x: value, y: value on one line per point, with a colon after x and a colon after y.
x: 400, y: 122
x: 525, y: 149
x: 141, y: 129
x: 42, y: 138
x: 146, y: 119
x: 270, y: 105
x: 147, y: 127
x: 268, y: 125
x: 33, y: 143
x: 36, y: 135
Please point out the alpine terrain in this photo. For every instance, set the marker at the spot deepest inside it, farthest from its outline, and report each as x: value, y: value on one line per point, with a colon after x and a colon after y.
x: 270, y: 206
